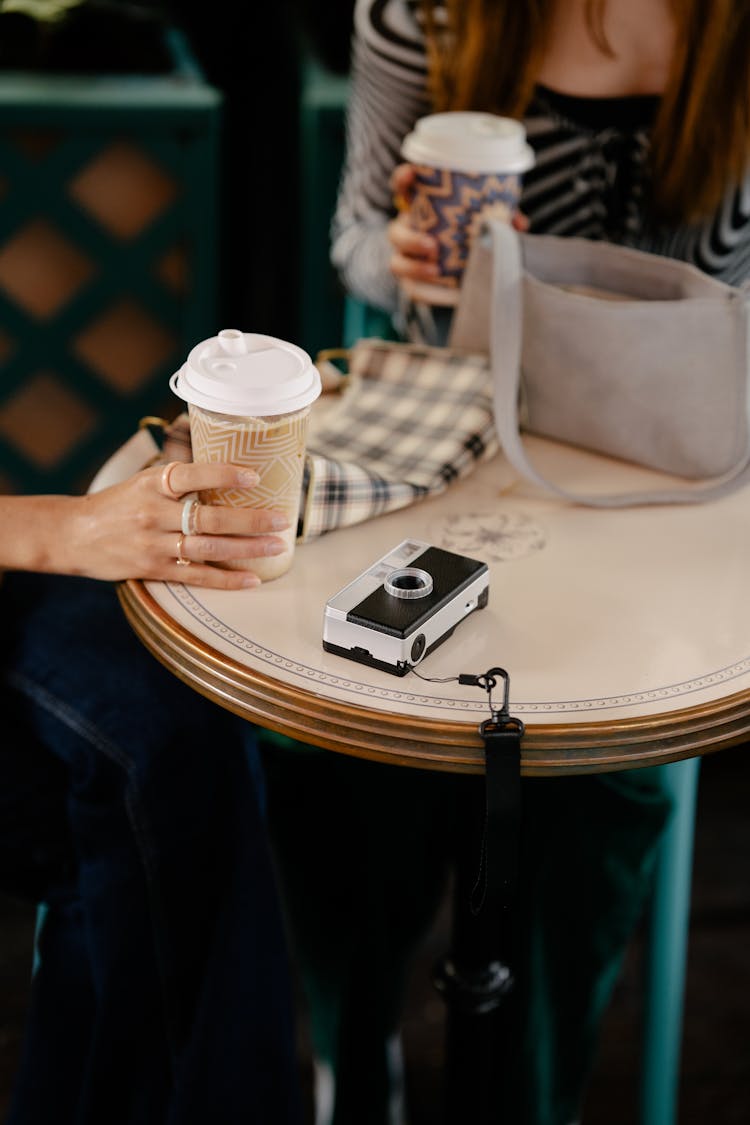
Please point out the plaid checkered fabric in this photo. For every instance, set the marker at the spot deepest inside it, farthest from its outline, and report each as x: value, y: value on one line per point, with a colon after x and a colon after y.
x: 412, y: 420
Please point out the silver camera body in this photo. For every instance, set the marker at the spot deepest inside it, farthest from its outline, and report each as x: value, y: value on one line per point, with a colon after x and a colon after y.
x: 404, y: 606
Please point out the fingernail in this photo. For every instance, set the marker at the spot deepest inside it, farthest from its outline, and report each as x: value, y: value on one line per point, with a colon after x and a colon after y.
x: 248, y: 477
x: 251, y: 580
x: 274, y: 548
x: 279, y: 523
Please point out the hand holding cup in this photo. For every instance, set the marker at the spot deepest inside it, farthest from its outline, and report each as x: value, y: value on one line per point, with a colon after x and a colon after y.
x: 249, y: 399
x: 148, y: 527
x: 465, y: 167
x: 415, y: 253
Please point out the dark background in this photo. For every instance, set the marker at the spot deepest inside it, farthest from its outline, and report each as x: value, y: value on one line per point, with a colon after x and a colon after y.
x: 253, y: 53
x: 715, y: 1084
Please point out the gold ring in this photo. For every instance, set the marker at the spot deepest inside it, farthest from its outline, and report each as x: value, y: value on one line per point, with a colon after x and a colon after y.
x: 181, y: 560
x: 166, y: 487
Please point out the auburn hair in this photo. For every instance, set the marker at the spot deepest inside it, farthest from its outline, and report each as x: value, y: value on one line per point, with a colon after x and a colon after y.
x: 486, y: 54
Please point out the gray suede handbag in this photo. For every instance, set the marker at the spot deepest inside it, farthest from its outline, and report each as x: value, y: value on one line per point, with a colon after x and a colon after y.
x: 615, y: 350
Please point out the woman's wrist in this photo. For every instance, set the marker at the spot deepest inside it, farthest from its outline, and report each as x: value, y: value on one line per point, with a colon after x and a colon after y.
x: 38, y: 533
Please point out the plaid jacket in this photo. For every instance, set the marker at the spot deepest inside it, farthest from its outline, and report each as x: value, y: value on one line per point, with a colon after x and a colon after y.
x: 411, y: 420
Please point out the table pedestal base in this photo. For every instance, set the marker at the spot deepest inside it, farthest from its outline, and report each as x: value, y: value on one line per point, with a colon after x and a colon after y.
x: 475, y: 978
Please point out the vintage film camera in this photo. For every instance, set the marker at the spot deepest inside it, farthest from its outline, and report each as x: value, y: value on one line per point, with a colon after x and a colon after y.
x: 404, y: 606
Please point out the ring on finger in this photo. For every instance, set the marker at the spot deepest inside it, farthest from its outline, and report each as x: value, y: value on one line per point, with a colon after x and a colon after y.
x: 164, y: 481
x: 181, y: 560
x: 189, y: 523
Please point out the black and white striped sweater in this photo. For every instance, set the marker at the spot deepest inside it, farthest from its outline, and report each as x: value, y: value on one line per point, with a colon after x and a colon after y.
x: 589, y: 178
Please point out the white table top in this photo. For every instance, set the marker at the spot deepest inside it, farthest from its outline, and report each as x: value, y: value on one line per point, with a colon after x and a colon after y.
x: 617, y: 618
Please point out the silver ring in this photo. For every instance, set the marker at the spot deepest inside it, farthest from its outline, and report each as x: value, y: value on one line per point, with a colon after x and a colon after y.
x: 190, y: 514
x: 181, y: 560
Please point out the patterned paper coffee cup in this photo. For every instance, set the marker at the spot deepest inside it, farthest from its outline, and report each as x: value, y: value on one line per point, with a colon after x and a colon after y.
x: 469, y: 168
x: 249, y: 399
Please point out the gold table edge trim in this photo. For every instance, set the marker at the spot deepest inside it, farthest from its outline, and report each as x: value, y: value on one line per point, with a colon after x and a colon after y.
x: 448, y: 745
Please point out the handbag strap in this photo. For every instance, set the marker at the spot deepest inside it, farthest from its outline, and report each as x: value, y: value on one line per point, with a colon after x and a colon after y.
x: 500, y: 249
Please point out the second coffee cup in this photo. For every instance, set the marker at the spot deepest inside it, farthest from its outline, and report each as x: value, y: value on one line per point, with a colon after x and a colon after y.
x: 249, y: 399
x: 469, y: 167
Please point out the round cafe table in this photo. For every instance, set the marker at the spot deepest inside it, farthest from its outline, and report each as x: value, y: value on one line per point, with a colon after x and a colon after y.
x: 625, y: 633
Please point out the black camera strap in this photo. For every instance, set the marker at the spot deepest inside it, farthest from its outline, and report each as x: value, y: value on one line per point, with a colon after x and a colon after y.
x: 477, y: 974
x: 497, y: 878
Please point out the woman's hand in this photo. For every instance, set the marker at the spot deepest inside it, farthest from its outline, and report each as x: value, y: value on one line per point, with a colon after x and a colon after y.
x: 134, y: 529
x: 414, y: 252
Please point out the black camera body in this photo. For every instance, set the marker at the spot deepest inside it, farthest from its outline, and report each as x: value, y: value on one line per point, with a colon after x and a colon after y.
x: 403, y: 606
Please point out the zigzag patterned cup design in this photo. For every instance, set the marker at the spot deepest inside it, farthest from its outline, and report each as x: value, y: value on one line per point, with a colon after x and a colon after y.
x: 275, y: 448
x: 452, y: 206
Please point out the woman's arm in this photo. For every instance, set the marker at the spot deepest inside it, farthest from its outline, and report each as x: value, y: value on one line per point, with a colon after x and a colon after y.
x: 131, y: 530
x: 388, y: 94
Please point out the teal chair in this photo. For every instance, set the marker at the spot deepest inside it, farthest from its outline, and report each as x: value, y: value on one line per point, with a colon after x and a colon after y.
x: 323, y: 108
x: 41, y: 912
x: 362, y: 320
x: 666, y: 949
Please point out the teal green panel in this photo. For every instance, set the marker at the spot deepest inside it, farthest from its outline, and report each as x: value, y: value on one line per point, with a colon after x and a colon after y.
x: 174, y: 123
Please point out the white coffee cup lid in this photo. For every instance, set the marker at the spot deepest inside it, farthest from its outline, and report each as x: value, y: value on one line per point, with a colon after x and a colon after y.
x: 470, y: 142
x: 247, y: 374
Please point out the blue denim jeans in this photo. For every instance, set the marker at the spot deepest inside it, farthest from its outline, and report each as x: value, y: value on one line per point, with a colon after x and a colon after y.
x: 129, y: 805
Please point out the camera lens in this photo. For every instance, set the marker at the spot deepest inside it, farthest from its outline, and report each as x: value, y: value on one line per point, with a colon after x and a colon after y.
x: 409, y: 582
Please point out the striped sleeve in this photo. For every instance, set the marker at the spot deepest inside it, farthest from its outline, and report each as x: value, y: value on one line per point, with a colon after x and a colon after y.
x: 388, y: 93
x: 719, y: 246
